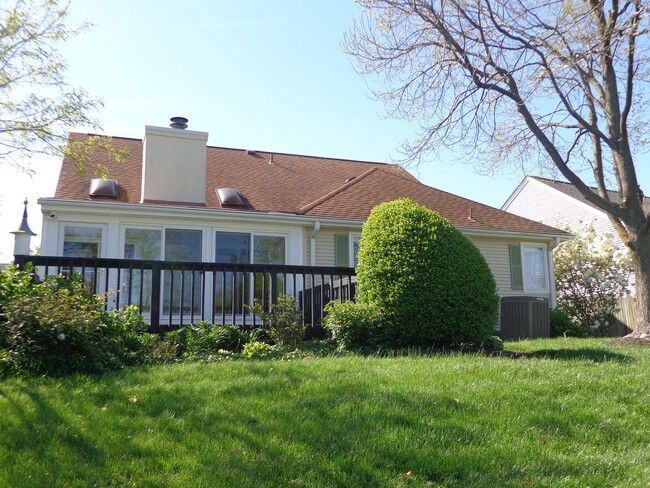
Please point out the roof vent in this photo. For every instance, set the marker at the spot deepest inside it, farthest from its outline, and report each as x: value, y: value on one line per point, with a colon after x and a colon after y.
x: 230, y: 197
x: 178, y: 123
x: 100, y: 187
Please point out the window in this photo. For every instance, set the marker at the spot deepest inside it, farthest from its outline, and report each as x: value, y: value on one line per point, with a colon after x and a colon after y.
x: 232, y: 248
x: 82, y: 242
x: 356, y: 239
x: 528, y: 267
x: 534, y: 268
x: 140, y: 244
x: 181, y: 289
x: 346, y: 247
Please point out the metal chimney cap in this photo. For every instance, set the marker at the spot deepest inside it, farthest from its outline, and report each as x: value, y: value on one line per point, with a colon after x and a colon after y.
x: 178, y: 123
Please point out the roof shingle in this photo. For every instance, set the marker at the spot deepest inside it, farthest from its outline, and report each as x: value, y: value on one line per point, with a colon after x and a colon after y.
x: 303, y: 185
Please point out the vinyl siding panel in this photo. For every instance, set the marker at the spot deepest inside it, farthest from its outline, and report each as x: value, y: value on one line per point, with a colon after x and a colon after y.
x: 539, y: 202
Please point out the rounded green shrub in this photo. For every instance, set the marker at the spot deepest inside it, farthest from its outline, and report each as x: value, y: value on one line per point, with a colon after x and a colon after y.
x: 431, y: 283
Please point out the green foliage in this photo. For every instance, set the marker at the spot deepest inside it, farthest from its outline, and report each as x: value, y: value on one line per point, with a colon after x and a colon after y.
x: 562, y: 325
x: 591, y: 274
x: 492, y: 344
x: 56, y: 328
x: 431, y: 283
x: 204, y: 340
x: 355, y: 325
x: 37, y: 105
x: 256, y: 350
x: 283, y: 321
x: 15, y: 283
x: 6, y: 363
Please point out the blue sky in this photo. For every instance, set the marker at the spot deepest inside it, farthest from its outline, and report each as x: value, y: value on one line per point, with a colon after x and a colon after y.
x: 260, y: 75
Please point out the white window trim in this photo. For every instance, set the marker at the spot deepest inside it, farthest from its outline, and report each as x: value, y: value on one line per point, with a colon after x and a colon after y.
x: 544, y: 249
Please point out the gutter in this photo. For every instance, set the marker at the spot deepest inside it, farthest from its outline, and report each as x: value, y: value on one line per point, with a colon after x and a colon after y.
x: 312, y: 247
x: 473, y: 231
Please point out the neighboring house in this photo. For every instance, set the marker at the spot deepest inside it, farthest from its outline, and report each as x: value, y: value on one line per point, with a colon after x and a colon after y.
x: 178, y: 199
x: 558, y: 203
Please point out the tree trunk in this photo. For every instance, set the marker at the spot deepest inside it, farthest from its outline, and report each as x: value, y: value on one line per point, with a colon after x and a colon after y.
x: 641, y: 267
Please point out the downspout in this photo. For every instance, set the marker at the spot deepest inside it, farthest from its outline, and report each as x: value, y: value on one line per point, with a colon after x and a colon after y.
x: 312, y: 247
x: 551, y: 272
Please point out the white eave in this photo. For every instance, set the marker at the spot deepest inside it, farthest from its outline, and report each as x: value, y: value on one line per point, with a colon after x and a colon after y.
x: 197, y: 213
x: 201, y: 213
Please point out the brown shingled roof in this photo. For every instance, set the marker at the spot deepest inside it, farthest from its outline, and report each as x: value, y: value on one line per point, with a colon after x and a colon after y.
x: 306, y: 185
x: 359, y: 196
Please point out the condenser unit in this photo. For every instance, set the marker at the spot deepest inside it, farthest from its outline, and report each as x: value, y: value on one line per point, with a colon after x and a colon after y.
x: 525, y: 317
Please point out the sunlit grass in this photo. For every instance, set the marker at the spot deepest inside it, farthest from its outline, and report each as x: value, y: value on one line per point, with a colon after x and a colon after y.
x: 574, y: 416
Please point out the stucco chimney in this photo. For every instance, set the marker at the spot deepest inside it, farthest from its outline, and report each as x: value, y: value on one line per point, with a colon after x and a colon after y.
x: 173, y: 164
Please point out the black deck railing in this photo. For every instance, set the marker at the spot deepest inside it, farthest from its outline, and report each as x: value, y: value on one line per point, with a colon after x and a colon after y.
x: 173, y: 294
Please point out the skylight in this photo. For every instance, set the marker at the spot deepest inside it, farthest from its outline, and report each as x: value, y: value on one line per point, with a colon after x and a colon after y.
x: 100, y: 187
x: 230, y: 197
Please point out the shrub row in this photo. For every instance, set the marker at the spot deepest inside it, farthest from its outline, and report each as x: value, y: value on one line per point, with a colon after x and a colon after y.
x: 56, y: 328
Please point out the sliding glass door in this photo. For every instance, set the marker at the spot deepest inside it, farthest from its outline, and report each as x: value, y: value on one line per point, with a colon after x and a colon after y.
x: 232, y: 291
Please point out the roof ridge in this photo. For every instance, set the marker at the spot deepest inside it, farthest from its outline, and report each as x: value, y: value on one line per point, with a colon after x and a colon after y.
x: 567, y: 183
x: 336, y: 191
x: 275, y: 153
x: 90, y: 134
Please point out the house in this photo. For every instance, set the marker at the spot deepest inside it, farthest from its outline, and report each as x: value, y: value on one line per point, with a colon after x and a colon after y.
x: 558, y: 203
x: 178, y: 199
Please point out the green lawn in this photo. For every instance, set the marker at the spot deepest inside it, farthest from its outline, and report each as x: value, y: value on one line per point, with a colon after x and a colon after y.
x: 578, y: 416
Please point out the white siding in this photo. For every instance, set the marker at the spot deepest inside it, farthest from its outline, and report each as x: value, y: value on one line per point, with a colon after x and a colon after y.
x: 538, y: 201
x: 325, y: 245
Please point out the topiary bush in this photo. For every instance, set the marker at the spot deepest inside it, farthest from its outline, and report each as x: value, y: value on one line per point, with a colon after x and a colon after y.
x: 430, y: 282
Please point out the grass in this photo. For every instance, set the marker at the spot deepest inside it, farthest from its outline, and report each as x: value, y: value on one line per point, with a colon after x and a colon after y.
x: 576, y: 415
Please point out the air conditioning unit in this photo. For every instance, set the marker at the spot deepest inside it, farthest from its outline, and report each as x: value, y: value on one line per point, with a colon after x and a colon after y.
x: 525, y: 318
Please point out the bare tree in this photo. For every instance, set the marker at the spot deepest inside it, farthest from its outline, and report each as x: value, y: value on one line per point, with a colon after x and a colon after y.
x: 555, y: 83
x: 37, y: 104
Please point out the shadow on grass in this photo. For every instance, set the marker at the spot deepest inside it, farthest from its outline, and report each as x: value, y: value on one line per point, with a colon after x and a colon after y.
x: 593, y: 354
